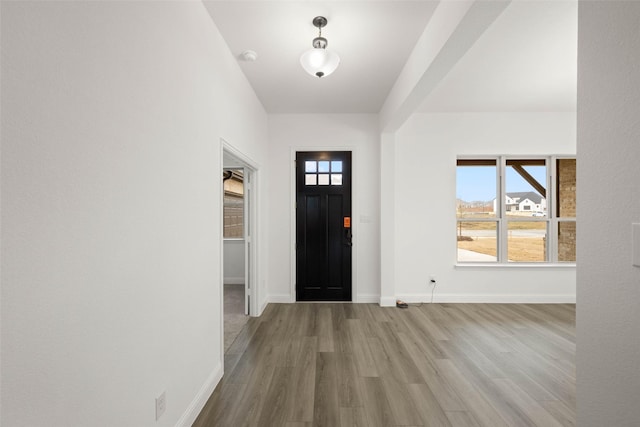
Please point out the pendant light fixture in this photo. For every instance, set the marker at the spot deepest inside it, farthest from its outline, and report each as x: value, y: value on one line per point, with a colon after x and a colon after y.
x: 319, y: 61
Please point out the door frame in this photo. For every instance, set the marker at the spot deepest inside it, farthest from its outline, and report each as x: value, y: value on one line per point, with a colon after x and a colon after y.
x: 251, y: 271
x: 355, y: 213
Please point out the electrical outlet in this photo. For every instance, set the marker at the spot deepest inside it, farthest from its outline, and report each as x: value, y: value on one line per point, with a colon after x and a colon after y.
x: 161, y: 405
x: 432, y: 280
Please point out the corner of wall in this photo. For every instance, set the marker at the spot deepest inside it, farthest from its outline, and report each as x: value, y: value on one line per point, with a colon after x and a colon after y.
x: 193, y: 410
x: 387, y: 301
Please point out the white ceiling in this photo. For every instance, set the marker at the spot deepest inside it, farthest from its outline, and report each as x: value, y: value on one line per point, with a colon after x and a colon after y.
x: 526, y: 61
x: 373, y: 39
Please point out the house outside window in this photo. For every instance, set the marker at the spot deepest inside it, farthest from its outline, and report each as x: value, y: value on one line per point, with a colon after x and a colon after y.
x: 516, y: 209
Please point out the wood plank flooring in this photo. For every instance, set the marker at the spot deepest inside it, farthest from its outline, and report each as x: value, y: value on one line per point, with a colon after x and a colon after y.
x: 432, y: 365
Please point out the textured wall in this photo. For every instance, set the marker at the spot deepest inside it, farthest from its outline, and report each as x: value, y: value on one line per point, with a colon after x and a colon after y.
x: 425, y: 205
x: 357, y: 132
x: 112, y: 114
x: 608, y: 318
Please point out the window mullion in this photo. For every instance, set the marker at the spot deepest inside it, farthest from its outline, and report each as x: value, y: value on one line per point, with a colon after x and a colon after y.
x: 502, y: 223
x: 552, y: 227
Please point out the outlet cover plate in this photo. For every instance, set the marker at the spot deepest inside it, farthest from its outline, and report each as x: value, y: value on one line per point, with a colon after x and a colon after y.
x: 161, y: 405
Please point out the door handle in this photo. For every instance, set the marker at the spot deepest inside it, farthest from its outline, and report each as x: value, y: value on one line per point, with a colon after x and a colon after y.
x: 348, y: 237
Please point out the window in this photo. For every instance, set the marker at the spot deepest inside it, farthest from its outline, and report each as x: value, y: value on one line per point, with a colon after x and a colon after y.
x: 323, y: 172
x: 233, y: 218
x: 516, y: 210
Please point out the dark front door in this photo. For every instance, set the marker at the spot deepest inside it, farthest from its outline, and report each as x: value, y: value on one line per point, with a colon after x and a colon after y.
x: 323, y: 226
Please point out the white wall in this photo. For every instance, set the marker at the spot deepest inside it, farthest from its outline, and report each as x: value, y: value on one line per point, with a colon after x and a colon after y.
x: 332, y: 132
x: 234, y: 261
x: 426, y: 148
x: 111, y: 203
x: 608, y: 152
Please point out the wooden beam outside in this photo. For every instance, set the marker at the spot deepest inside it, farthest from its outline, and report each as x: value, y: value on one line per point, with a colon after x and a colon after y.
x: 531, y: 180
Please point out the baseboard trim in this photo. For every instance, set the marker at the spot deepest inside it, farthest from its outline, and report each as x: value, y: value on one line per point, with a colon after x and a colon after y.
x: 367, y: 299
x: 189, y: 417
x: 446, y: 298
x: 262, y: 306
x: 387, y: 301
x: 280, y: 299
x: 234, y: 280
x: 360, y: 299
x: 488, y: 299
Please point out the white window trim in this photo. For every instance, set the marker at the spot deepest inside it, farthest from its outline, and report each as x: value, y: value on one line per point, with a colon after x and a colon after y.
x: 502, y: 229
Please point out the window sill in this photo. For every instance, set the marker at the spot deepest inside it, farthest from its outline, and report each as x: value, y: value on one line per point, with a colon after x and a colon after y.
x: 515, y: 265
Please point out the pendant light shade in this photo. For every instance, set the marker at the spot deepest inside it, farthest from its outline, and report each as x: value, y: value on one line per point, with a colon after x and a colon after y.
x: 319, y: 61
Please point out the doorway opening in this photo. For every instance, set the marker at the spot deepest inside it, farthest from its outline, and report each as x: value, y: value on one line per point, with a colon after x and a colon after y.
x: 239, y: 255
x: 236, y: 300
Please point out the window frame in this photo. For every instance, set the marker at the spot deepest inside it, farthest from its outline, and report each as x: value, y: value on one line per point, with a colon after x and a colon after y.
x: 502, y: 222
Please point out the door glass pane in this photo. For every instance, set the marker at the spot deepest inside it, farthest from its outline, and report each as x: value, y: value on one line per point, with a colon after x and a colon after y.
x: 246, y: 212
x: 477, y: 241
x: 526, y: 185
x: 233, y: 204
x: 336, y: 166
x: 336, y: 179
x: 323, y: 179
x: 310, y: 166
x: 310, y: 179
x: 526, y: 241
x: 476, y: 189
x: 323, y: 166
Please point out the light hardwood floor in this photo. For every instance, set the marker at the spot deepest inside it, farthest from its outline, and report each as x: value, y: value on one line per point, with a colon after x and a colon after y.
x: 234, y: 317
x: 435, y: 365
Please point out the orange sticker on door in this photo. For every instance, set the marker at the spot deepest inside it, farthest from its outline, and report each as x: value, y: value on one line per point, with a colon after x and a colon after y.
x: 347, y: 222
